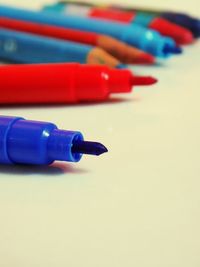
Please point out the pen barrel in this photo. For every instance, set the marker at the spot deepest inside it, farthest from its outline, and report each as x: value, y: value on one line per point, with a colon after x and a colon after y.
x: 21, y: 47
x: 119, y: 50
x: 49, y: 31
x: 120, y: 25
x: 33, y: 142
x: 60, y: 83
x: 135, y: 35
x: 43, y: 83
x: 29, y: 48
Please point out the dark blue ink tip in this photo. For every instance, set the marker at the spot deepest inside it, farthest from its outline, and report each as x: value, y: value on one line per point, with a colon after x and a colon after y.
x: 90, y: 148
x: 195, y: 27
x: 168, y: 49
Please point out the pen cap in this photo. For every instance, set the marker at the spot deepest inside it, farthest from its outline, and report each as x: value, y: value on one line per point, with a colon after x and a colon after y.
x: 32, y: 142
x: 148, y: 40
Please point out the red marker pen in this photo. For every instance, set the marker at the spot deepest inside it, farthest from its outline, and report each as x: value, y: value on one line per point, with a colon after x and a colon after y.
x: 64, y: 83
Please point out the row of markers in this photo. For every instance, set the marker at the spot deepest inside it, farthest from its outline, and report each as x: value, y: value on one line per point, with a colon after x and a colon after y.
x: 74, y: 52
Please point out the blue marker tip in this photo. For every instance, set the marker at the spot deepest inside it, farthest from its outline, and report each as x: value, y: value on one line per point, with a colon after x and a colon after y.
x: 168, y: 49
x: 86, y: 147
x: 195, y: 26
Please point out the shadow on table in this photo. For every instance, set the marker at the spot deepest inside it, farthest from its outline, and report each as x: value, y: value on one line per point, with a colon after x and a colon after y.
x: 54, y: 169
x: 110, y: 101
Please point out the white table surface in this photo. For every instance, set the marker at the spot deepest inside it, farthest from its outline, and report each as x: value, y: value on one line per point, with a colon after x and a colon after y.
x: 137, y: 205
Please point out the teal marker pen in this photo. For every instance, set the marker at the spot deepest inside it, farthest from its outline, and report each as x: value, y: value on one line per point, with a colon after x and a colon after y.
x: 138, y: 36
x: 21, y: 47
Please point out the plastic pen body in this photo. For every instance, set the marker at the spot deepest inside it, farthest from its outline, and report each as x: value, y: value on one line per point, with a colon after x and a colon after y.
x: 120, y: 50
x: 184, y: 20
x: 61, y: 83
x: 30, y: 142
x: 21, y: 47
x: 182, y: 36
x: 142, y: 38
x: 41, y: 143
x: 64, y: 83
x: 26, y: 48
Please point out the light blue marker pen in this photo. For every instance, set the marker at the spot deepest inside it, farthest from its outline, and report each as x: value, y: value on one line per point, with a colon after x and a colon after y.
x: 21, y: 47
x: 138, y: 36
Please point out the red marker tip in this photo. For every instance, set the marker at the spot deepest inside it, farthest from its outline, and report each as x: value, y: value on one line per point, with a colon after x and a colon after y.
x: 143, y: 80
x: 187, y: 38
x: 145, y: 58
x: 181, y: 35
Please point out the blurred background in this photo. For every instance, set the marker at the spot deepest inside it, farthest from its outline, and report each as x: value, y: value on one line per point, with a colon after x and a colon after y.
x: 178, y: 5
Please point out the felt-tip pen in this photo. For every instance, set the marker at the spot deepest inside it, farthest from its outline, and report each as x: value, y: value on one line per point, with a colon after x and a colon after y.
x: 123, y: 52
x: 21, y: 47
x: 148, y: 40
x: 41, y: 143
x: 182, y: 19
x: 179, y: 34
x: 64, y: 83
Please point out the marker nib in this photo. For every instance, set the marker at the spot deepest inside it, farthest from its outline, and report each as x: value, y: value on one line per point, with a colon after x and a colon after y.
x: 172, y: 50
x: 187, y: 38
x: 177, y: 50
x: 144, y: 58
x: 143, y: 80
x: 195, y: 27
x: 90, y: 148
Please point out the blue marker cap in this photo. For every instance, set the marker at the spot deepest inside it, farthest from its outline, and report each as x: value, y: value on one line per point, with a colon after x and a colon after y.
x: 136, y: 35
x: 149, y: 41
x: 32, y: 142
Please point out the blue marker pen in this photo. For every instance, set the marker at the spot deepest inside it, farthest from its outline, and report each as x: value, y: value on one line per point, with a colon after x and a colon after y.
x: 21, y: 47
x: 32, y: 142
x: 144, y: 39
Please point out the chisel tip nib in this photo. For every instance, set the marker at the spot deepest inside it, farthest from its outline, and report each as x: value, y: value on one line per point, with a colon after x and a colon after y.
x: 98, y: 148
x: 90, y: 148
